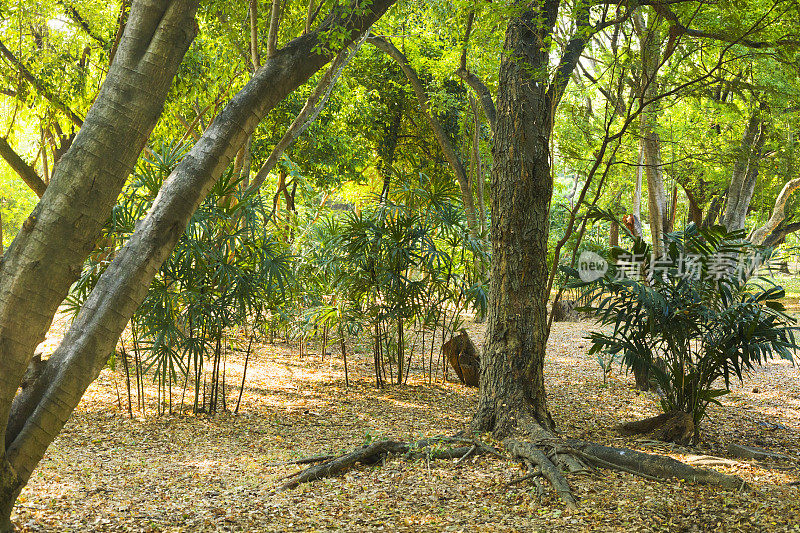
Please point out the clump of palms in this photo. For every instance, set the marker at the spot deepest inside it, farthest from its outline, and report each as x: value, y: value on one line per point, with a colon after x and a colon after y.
x: 692, y: 319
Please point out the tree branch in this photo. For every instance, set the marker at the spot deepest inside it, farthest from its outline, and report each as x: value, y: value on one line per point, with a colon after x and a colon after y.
x: 25, y: 171
x: 483, y: 94
x: 39, y: 86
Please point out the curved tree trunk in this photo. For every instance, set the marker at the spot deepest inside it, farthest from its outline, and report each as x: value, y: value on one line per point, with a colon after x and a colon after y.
x: 759, y: 235
x: 445, y: 144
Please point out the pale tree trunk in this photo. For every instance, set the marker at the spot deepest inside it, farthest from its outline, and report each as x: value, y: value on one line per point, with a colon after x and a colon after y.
x: 477, y: 174
x: 67, y: 221
x: 650, y: 43
x: 759, y: 235
x: 48, y: 253
x: 745, y: 173
x: 274, y: 26
x: 636, y: 209
x: 443, y: 140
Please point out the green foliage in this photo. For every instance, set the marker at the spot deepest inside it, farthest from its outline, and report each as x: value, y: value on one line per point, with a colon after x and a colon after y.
x: 226, y: 272
x: 700, y: 310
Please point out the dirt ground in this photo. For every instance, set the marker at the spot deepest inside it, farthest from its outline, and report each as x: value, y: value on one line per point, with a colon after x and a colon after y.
x: 179, y: 472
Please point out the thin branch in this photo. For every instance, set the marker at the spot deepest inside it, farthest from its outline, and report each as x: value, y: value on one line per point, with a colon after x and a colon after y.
x: 25, y: 171
x: 39, y: 86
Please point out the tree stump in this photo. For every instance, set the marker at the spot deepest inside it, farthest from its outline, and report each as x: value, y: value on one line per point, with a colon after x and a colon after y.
x: 563, y: 310
x: 675, y: 426
x: 463, y: 358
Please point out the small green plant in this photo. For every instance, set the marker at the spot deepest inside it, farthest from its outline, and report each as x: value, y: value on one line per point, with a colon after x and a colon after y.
x: 691, y: 319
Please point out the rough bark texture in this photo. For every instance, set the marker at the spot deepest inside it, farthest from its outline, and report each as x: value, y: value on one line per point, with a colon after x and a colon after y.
x: 74, y: 219
x: 512, y: 379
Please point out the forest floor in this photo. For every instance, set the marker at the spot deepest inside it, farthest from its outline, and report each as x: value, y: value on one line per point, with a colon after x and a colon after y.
x: 179, y: 472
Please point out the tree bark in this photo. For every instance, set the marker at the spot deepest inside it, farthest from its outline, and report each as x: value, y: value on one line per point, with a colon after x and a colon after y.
x: 40, y: 412
x: 759, y: 235
x: 695, y: 211
x: 745, y: 172
x: 512, y: 378
x: 274, y: 26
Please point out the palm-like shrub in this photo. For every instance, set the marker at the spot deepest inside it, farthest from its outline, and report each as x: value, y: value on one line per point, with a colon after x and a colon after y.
x: 696, y: 317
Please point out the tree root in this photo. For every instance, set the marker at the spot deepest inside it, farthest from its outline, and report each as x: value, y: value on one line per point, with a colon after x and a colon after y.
x: 546, y: 458
x: 375, y: 452
x: 533, y: 457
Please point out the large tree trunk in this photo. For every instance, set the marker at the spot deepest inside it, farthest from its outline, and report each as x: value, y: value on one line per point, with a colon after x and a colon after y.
x: 745, y: 172
x: 512, y: 389
x: 48, y: 253
x: 65, y: 224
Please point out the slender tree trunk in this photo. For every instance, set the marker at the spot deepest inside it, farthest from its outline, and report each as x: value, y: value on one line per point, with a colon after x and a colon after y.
x: 636, y: 209
x: 650, y: 39
x: 477, y: 175
x: 695, y: 212
x: 441, y: 136
x: 274, y: 26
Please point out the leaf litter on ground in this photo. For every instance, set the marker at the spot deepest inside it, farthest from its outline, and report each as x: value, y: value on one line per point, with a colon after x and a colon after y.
x: 181, y: 472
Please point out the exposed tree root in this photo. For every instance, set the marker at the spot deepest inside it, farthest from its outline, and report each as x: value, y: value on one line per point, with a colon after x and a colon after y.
x: 533, y: 457
x: 546, y: 458
x: 377, y: 451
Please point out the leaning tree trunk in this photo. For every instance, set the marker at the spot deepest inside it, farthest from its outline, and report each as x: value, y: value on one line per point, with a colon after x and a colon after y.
x: 745, y: 172
x: 48, y: 253
x: 27, y: 305
x: 760, y: 234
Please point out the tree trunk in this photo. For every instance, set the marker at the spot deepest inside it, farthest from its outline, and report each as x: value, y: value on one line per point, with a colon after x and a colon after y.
x: 695, y: 212
x: 512, y: 378
x: 441, y: 136
x: 745, y: 172
x: 648, y: 121
x: 636, y: 209
x: 759, y: 235
x: 65, y: 224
